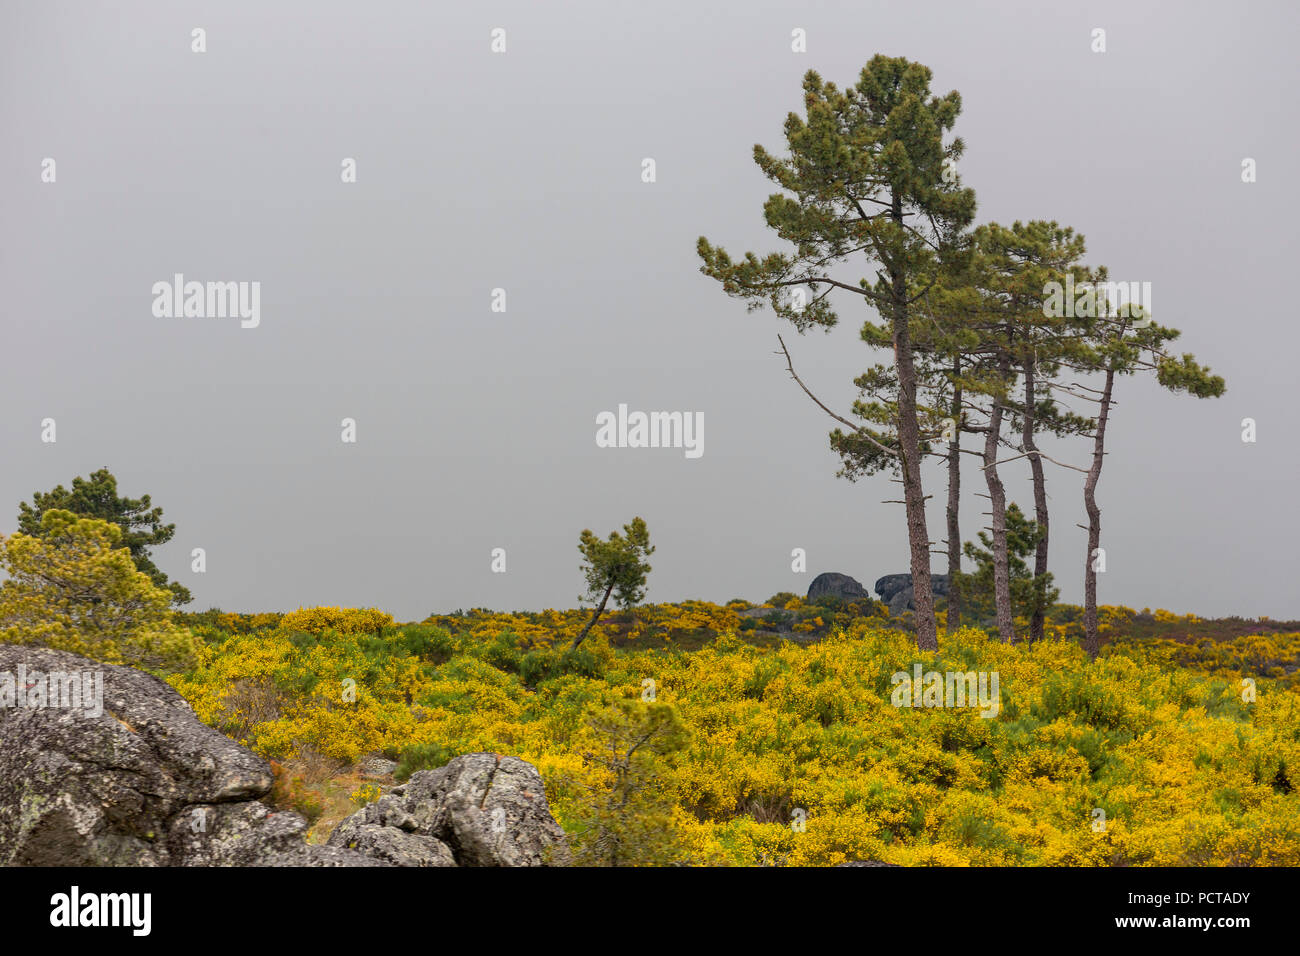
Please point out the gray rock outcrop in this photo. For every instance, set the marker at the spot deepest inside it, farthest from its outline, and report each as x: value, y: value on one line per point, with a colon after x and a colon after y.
x: 896, y: 590
x: 251, y: 834
x: 377, y: 767
x: 838, y: 585
x: 122, y: 786
x: 479, y: 810
x: 867, y: 863
x: 135, y: 779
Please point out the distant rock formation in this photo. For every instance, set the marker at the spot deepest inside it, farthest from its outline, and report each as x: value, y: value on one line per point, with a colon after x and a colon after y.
x: 896, y: 590
x: 142, y: 782
x: 839, y: 585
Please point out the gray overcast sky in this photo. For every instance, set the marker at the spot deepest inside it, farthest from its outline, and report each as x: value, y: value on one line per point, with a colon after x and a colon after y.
x: 522, y: 170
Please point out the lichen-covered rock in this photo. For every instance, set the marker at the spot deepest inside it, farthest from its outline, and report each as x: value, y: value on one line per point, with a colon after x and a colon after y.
x: 867, y: 863
x: 486, y: 809
x: 84, y: 788
x: 377, y: 768
x: 251, y: 834
x: 366, y: 834
x: 130, y: 776
x: 134, y: 778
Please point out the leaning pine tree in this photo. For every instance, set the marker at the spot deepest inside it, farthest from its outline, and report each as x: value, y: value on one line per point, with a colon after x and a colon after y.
x: 615, y: 566
x: 868, y: 175
x: 1126, y: 342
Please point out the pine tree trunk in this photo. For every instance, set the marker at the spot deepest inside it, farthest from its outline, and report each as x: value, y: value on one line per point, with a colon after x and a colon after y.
x: 1036, y: 621
x: 594, y: 618
x: 1092, y: 636
x: 909, y: 448
x: 954, y: 503
x: 998, y: 512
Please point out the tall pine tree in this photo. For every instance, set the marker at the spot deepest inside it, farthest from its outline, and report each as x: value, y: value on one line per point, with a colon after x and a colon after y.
x: 1126, y: 342
x: 868, y: 175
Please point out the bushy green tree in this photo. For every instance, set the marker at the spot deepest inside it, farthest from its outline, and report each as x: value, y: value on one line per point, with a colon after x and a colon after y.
x: 73, y: 587
x: 1030, y: 593
x: 628, y: 817
x: 97, y: 497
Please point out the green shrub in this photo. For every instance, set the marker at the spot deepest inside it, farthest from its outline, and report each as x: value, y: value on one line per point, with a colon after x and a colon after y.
x: 502, y: 652
x: 583, y: 662
x: 538, y: 666
x: 832, y: 602
x: 1076, y: 695
x: 432, y: 644
x: 779, y: 619
x: 428, y: 756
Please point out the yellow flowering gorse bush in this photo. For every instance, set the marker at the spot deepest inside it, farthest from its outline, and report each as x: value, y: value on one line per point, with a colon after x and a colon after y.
x: 797, y: 754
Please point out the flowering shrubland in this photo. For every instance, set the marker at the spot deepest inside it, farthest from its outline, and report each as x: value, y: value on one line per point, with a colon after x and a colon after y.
x: 1156, y: 753
x: 688, y: 621
x: 343, y: 620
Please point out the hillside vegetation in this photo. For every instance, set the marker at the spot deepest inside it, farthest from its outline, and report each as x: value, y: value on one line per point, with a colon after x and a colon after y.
x: 792, y: 752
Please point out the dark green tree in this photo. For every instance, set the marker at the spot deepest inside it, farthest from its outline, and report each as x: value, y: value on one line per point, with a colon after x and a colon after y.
x: 616, y: 566
x: 97, y: 497
x: 1016, y: 338
x: 1032, y: 256
x: 868, y: 175
x: 1030, y: 593
x: 984, y: 326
